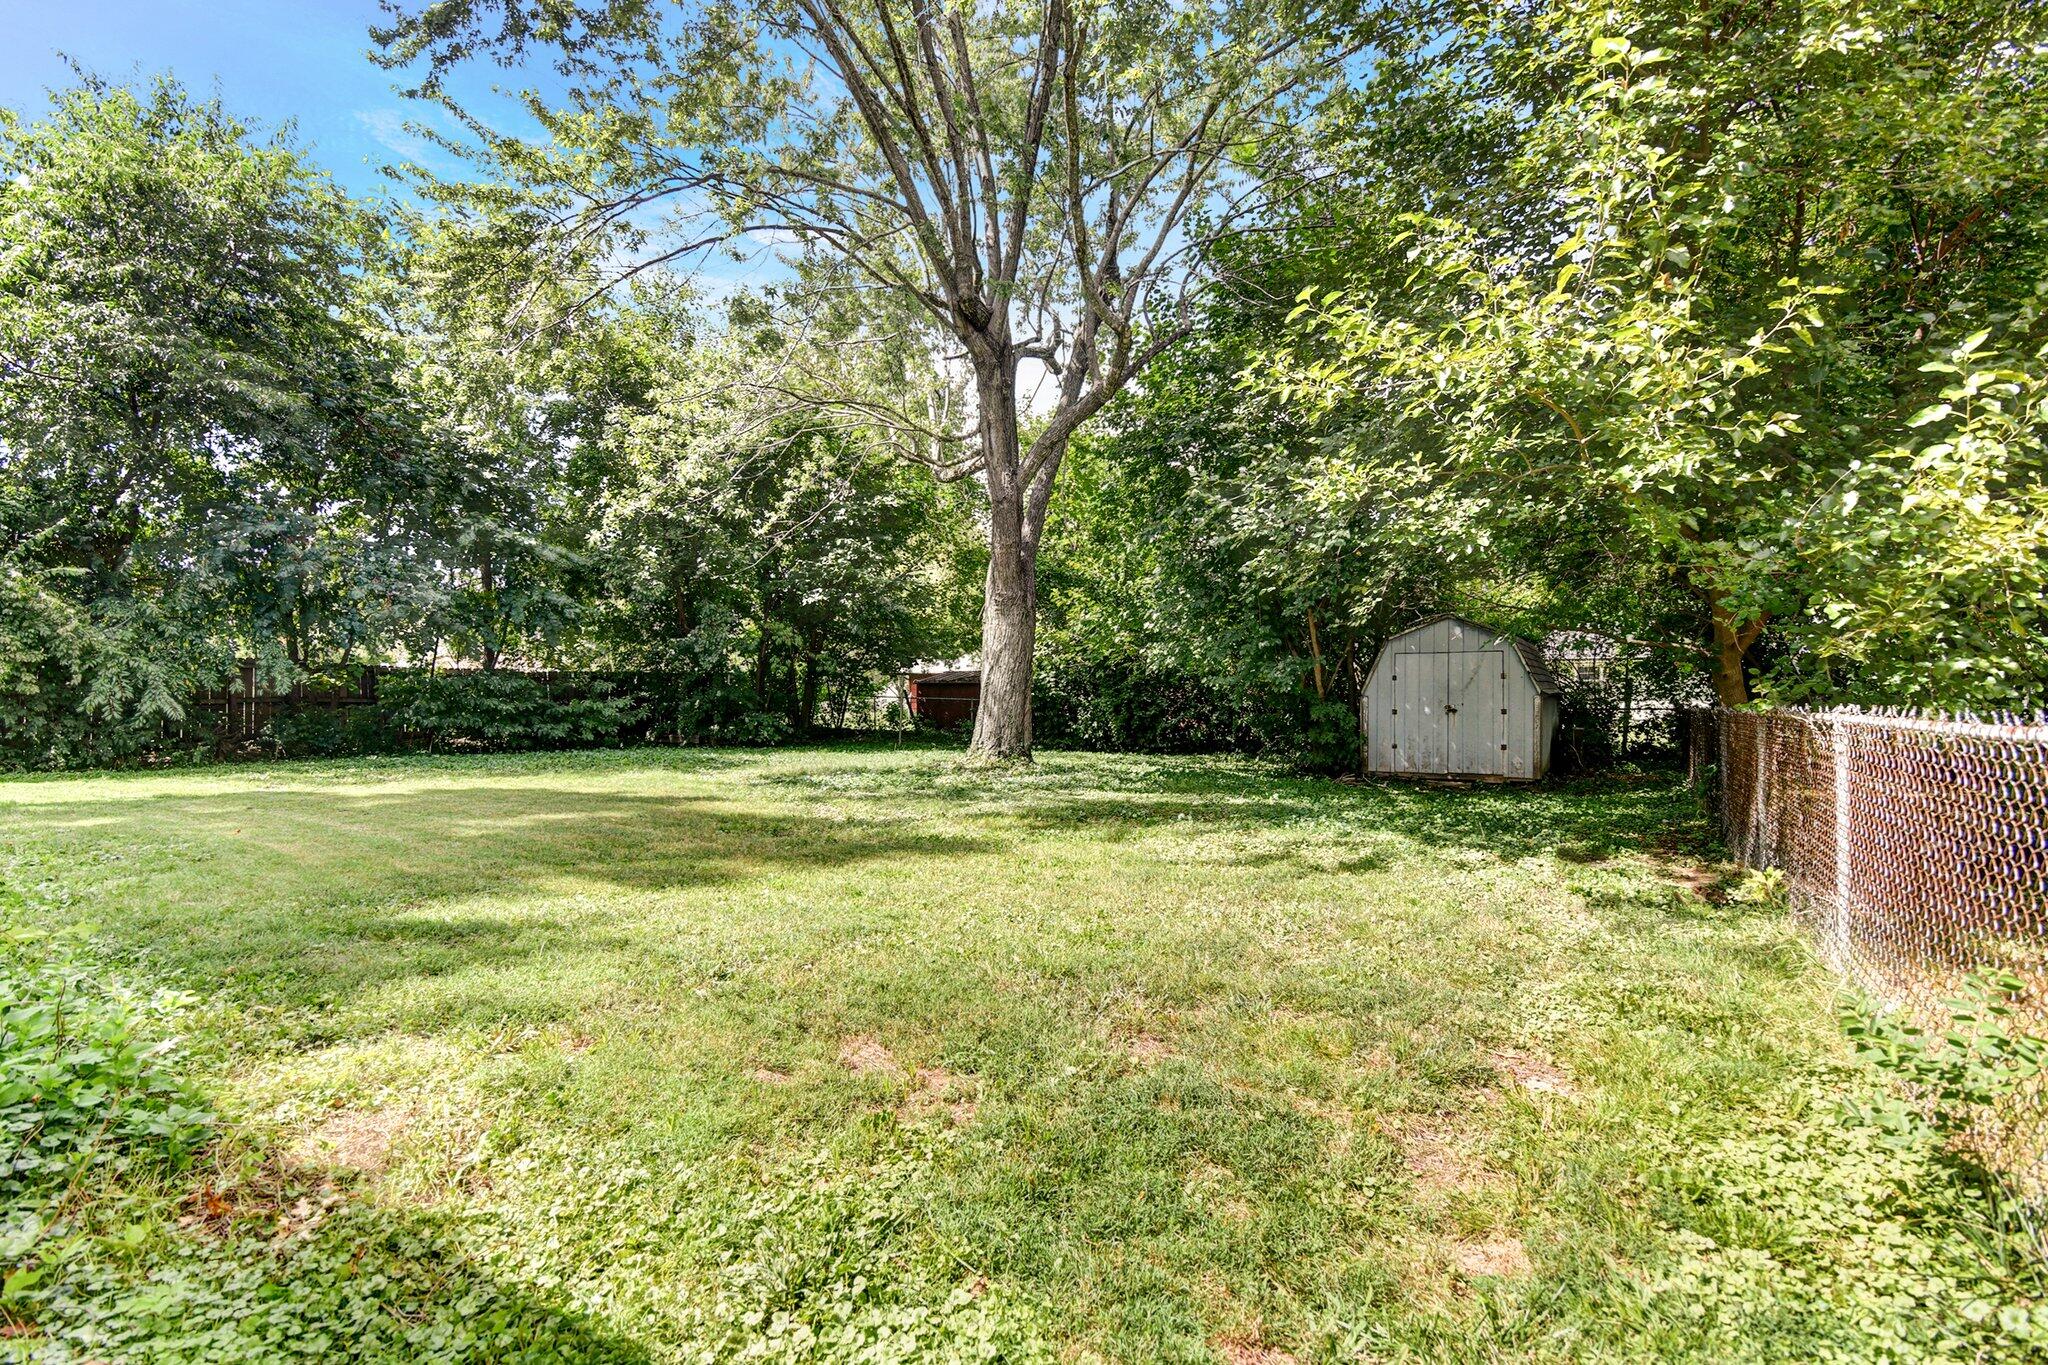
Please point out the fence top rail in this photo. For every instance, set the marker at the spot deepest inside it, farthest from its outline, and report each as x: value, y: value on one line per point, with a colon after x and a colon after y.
x: 1963, y: 725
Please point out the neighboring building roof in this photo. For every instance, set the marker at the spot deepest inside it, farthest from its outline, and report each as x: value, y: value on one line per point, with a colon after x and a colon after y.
x: 946, y: 677
x: 1581, y: 644
x: 1531, y: 656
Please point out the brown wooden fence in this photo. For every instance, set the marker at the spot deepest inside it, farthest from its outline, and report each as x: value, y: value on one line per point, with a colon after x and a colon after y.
x: 242, y: 711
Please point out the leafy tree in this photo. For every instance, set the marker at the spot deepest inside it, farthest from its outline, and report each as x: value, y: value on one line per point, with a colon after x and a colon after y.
x: 508, y: 417
x: 986, y: 187
x: 1215, y: 536
x: 768, y: 564
x: 1754, y: 286
x: 175, y: 367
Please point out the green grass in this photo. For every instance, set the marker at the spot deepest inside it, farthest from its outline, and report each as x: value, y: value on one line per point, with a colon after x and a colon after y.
x: 690, y: 1055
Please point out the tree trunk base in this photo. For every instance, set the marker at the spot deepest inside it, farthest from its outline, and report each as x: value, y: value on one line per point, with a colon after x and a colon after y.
x: 1009, y: 628
x: 982, y: 761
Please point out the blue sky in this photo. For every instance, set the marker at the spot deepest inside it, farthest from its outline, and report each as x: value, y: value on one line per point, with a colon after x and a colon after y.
x: 272, y: 60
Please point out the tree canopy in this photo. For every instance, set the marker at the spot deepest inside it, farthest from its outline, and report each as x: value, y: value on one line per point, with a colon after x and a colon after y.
x: 978, y: 187
x: 1715, y: 335
x: 1761, y: 288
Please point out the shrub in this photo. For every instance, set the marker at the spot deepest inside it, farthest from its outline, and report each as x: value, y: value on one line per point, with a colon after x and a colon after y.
x: 335, y: 732
x: 1129, y: 706
x: 1125, y: 707
x: 504, y: 711
x: 749, y: 728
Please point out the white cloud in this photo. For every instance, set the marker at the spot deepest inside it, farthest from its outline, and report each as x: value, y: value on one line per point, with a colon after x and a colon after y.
x: 388, y: 127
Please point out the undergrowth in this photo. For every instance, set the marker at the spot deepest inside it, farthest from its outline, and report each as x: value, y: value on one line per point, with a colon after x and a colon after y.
x: 89, y: 1099
x: 1853, y: 1220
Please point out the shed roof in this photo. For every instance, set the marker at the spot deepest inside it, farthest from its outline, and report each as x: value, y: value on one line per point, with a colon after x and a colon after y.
x: 950, y: 676
x: 1530, y: 654
x: 1539, y: 668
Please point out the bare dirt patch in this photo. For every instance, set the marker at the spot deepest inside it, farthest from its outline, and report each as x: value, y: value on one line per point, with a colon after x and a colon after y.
x: 358, y: 1140
x: 934, y: 1091
x: 940, y: 1092
x: 1218, y: 1190
x: 270, y: 1196
x: 1500, y: 1256
x: 1704, y: 882
x: 1148, y: 1049
x: 1439, y: 1158
x: 1533, y: 1072
x: 863, y: 1056
x: 768, y: 1075
x: 1680, y: 863
x: 1240, y: 1351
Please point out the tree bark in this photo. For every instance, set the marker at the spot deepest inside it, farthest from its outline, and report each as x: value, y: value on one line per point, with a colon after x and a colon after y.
x: 1009, y: 605
x: 793, y: 699
x: 487, y: 580
x: 1731, y: 646
x: 1009, y: 630
x: 1315, y: 651
x: 808, y: 713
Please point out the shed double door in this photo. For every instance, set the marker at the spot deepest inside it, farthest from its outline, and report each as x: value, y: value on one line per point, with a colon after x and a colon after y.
x: 1450, y: 713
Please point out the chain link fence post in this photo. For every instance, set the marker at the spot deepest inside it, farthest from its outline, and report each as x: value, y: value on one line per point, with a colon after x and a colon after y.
x: 1914, y: 852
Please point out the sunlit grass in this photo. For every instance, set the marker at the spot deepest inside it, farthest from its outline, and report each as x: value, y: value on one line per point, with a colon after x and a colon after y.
x: 1150, y: 1059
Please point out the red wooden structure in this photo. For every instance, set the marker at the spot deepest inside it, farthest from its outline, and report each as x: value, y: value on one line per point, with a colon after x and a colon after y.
x: 945, y: 699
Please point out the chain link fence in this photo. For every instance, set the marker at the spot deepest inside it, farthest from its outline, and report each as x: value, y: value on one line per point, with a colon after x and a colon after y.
x: 1914, y: 849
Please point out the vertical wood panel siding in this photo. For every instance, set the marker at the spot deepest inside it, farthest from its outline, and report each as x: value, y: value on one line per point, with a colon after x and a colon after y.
x: 1450, y: 698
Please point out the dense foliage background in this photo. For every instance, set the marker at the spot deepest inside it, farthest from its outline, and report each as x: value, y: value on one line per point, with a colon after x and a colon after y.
x: 1711, y: 335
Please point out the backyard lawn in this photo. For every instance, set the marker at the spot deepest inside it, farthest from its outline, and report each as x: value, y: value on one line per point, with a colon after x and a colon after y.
x: 679, y: 1055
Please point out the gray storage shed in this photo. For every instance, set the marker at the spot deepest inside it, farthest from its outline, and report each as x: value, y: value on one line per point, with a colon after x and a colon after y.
x: 1449, y: 698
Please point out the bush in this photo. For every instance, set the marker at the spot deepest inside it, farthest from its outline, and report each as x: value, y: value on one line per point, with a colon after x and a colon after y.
x: 748, y: 728
x: 335, y: 732
x: 81, y: 1088
x: 1126, y: 706
x: 504, y: 711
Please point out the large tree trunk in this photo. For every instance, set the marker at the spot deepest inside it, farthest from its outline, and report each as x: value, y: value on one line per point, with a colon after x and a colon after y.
x: 487, y: 580
x: 1009, y: 630
x: 1009, y: 605
x: 808, y: 712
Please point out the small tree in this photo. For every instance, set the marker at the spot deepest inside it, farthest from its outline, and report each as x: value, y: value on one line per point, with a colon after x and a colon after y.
x: 1023, y: 183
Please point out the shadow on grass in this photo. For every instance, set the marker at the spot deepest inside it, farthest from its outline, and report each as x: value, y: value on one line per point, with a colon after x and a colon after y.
x: 1113, y: 797
x: 343, y: 890
x: 313, y: 892
x: 369, y: 1284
